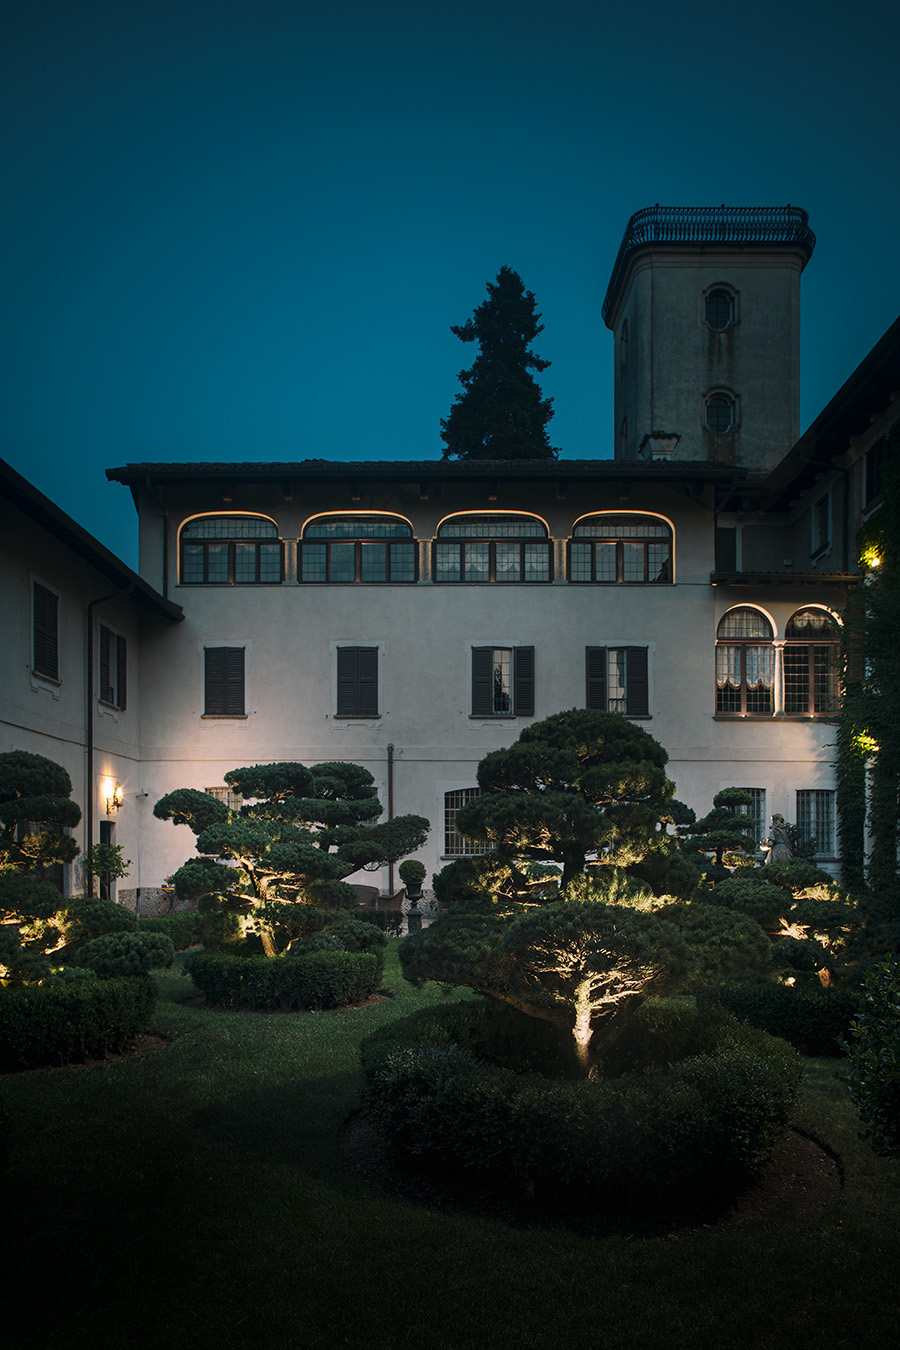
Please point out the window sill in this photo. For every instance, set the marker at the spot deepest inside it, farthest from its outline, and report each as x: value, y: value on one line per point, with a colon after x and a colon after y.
x: 224, y: 717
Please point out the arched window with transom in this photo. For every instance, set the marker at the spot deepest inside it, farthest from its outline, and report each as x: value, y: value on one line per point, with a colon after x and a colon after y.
x: 349, y: 549
x: 231, y: 551
x: 492, y: 548
x: 621, y: 549
x: 812, y: 645
x: 745, y: 664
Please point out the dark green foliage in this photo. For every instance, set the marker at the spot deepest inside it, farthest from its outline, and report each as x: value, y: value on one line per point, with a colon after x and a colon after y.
x: 726, y: 837
x: 411, y: 871
x: 84, y: 920
x: 116, y: 954
x: 813, y: 1019
x: 874, y: 1052
x: 184, y: 930
x: 702, y: 1122
x: 58, y: 1023
x: 300, y: 832
x: 720, y: 943
x: 500, y: 414
x: 324, y: 979
x: 387, y: 921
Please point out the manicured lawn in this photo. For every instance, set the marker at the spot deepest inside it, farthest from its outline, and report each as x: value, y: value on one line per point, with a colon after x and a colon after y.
x: 197, y: 1198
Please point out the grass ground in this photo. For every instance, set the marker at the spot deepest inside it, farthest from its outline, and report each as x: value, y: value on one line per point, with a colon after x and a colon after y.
x: 197, y: 1197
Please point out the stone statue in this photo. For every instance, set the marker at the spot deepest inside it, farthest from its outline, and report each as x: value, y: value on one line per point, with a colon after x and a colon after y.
x: 779, y: 843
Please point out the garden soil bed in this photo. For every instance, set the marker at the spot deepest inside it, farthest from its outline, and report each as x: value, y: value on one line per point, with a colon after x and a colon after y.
x: 800, y: 1180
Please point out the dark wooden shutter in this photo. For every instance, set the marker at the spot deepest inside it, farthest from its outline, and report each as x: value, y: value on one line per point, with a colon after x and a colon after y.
x: 106, y: 689
x: 46, y: 632
x: 224, y: 682
x: 595, y: 663
x: 357, y: 692
x: 726, y: 548
x: 482, y: 681
x: 121, y: 663
x: 637, y: 684
x: 523, y: 681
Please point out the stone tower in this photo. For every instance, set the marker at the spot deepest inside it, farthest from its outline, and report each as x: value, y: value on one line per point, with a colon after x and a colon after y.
x: 704, y: 303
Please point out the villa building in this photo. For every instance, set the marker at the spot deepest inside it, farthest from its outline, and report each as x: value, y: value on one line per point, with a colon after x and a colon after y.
x: 411, y: 617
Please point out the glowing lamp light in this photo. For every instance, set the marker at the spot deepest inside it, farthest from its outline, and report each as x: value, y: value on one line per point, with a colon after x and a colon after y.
x: 871, y: 557
x: 866, y: 744
x: 114, y: 794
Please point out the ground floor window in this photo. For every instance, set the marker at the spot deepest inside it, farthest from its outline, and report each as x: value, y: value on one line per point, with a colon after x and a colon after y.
x: 757, y: 811
x: 815, y: 820
x: 456, y: 845
x: 617, y: 680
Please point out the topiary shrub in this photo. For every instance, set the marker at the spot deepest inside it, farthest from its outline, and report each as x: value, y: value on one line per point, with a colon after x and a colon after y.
x: 126, y: 954
x: 73, y: 1020
x: 813, y: 1019
x: 184, y: 930
x: 322, y: 979
x: 85, y: 920
x: 696, y: 1125
x: 874, y: 1050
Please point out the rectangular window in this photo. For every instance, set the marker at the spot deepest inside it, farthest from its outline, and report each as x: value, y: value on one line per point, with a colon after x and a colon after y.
x: 233, y: 800
x: 617, y: 680
x: 726, y: 548
x: 502, y: 681
x: 224, y: 682
x: 456, y: 845
x: 815, y: 820
x: 46, y: 632
x: 357, y: 682
x: 112, y: 667
x: 757, y: 810
x: 346, y: 562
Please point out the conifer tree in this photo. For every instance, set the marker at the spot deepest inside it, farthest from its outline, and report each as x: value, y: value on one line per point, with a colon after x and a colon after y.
x: 500, y: 414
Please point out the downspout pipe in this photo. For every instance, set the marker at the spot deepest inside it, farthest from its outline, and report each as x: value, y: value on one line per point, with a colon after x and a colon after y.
x: 89, y: 736
x: 390, y: 778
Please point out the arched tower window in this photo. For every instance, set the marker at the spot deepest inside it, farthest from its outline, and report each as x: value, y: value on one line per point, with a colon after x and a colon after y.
x: 354, y: 548
x: 811, y: 664
x: 745, y: 663
x: 231, y: 551
x: 719, y: 309
x: 720, y: 413
x: 618, y: 549
x: 492, y: 548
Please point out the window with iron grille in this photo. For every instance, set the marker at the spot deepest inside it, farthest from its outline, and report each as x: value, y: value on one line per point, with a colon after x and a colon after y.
x: 815, y: 820
x: 621, y: 549
x: 112, y: 667
x: 502, y: 681
x: 45, y: 631
x: 348, y: 550
x: 756, y: 810
x: 617, y: 680
x: 745, y: 664
x: 492, y: 548
x: 457, y: 845
x: 811, y: 664
x: 231, y: 551
x: 223, y: 682
x: 357, y: 682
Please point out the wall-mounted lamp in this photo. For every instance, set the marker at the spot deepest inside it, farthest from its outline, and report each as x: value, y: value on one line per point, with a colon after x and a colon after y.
x: 115, y: 796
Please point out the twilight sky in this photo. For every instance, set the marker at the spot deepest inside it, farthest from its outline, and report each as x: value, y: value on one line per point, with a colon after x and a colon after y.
x: 241, y: 229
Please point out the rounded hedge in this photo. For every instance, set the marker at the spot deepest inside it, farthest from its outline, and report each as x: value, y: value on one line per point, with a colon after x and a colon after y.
x: 689, y: 1127
x: 815, y: 1020
x: 75, y: 1020
x: 322, y: 979
x: 126, y: 954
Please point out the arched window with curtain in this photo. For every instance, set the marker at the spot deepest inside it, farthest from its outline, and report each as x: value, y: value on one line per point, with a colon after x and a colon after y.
x: 745, y: 664
x: 344, y: 550
x: 621, y: 549
x: 492, y: 548
x: 811, y: 664
x: 231, y: 551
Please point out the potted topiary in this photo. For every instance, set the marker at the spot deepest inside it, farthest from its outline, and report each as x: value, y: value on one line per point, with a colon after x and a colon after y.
x: 412, y: 874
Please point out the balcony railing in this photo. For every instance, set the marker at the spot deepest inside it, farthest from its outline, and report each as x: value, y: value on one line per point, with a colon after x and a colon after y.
x: 766, y: 225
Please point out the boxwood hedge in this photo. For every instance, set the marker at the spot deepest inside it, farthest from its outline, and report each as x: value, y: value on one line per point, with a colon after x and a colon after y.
x: 813, y: 1019
x: 706, y: 1120
x: 323, y: 979
x: 87, y: 1018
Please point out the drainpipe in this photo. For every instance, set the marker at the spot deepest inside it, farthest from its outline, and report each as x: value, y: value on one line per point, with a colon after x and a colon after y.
x: 89, y: 736
x: 390, y: 771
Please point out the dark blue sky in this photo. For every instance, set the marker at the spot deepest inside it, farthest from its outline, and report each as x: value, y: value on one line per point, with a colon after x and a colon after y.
x: 243, y: 230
